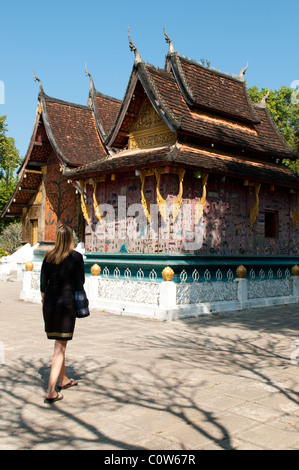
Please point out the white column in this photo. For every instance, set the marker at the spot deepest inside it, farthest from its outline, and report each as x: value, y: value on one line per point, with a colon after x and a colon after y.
x: 27, y: 282
x: 167, y: 303
x: 242, y: 292
x: 91, y: 289
x: 295, y: 280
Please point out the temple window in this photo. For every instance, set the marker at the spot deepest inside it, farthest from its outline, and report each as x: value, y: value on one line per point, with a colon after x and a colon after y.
x: 271, y: 224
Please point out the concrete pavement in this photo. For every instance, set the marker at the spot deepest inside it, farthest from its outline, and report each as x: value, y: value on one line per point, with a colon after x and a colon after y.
x: 225, y: 381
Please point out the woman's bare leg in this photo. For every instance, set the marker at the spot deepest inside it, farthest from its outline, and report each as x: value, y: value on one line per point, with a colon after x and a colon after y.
x: 63, y: 379
x: 57, y: 366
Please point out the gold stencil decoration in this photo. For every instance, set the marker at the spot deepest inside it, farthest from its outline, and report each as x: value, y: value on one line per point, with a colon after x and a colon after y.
x: 200, y: 206
x: 145, y: 203
x: 255, y: 209
x: 160, y: 201
x: 149, y: 130
x: 179, y: 200
x: 83, y: 204
x: 95, y: 202
x: 177, y: 203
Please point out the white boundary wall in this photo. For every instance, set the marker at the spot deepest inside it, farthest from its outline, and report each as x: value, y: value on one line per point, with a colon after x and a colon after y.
x: 168, y: 300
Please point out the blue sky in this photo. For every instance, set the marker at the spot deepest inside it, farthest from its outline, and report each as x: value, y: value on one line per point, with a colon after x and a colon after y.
x: 56, y: 38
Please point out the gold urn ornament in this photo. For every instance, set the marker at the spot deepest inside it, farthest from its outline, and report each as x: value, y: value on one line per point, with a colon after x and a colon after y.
x: 241, y: 272
x: 29, y: 266
x: 95, y: 270
x: 167, y: 273
x: 295, y: 270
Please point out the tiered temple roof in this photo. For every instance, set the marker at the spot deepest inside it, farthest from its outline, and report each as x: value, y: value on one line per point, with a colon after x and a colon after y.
x: 214, y: 123
x: 72, y: 131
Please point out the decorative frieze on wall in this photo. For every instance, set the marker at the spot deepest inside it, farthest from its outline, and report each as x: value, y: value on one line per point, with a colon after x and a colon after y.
x: 130, y: 291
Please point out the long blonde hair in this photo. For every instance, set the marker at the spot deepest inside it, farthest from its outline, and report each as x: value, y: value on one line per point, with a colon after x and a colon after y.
x: 64, y: 245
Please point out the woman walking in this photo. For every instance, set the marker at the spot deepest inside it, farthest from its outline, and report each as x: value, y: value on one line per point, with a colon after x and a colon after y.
x: 62, y: 274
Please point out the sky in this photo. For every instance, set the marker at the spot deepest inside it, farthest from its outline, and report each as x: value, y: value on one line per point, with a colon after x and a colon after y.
x: 56, y: 39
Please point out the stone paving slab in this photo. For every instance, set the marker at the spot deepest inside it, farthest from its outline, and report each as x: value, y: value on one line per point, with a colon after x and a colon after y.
x: 224, y: 381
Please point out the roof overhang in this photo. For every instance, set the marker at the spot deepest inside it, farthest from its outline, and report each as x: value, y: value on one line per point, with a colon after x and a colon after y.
x: 193, y: 158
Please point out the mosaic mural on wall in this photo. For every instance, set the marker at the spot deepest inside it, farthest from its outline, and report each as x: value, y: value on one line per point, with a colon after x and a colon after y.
x: 226, y: 222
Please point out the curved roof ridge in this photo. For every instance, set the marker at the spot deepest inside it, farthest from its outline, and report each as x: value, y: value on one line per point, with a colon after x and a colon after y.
x: 108, y: 97
x: 64, y: 102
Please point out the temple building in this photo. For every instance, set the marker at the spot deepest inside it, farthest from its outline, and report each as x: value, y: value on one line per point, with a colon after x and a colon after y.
x: 186, y: 167
x: 190, y: 135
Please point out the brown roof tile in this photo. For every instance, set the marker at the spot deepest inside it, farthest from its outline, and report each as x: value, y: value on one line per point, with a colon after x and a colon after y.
x: 72, y: 131
x: 261, y: 136
x: 214, y: 91
x: 107, y: 109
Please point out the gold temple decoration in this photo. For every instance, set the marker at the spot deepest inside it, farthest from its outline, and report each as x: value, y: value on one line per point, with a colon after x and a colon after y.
x: 95, y: 270
x: 295, y: 270
x: 295, y: 215
x: 255, y: 209
x: 145, y: 203
x: 95, y: 202
x: 83, y: 204
x: 29, y: 266
x: 149, y: 130
x: 200, y: 206
x: 178, y: 201
x: 167, y: 273
x: 160, y: 201
x: 241, y: 272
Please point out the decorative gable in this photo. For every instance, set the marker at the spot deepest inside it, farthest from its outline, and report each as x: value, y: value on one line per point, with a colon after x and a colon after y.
x: 149, y: 130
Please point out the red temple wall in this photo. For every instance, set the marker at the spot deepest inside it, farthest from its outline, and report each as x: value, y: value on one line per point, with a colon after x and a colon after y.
x: 226, y: 223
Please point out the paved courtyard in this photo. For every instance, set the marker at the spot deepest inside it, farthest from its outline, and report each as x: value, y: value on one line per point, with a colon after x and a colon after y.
x: 226, y: 381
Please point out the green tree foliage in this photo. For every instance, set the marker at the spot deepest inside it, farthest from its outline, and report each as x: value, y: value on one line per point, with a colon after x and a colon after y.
x: 9, y: 161
x: 9, y: 155
x: 285, y: 114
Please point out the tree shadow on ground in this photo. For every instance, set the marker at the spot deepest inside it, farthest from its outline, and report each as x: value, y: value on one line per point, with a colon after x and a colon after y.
x: 157, y: 372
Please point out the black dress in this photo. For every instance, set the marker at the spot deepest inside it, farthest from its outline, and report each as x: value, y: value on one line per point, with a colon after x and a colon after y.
x: 59, y: 282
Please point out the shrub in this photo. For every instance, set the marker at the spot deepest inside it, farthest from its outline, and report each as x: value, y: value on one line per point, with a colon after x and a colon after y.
x: 2, y: 253
x: 11, y: 237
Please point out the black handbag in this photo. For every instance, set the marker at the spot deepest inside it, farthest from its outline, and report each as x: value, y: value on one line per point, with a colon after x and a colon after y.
x: 82, y: 304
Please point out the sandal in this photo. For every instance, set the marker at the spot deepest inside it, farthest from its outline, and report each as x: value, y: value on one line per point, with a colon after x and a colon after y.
x: 72, y: 383
x: 58, y: 397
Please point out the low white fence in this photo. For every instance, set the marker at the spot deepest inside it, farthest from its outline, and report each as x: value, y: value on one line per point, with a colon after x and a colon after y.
x: 167, y: 300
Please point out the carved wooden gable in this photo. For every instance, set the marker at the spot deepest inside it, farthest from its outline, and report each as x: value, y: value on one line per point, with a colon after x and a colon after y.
x: 149, y: 130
